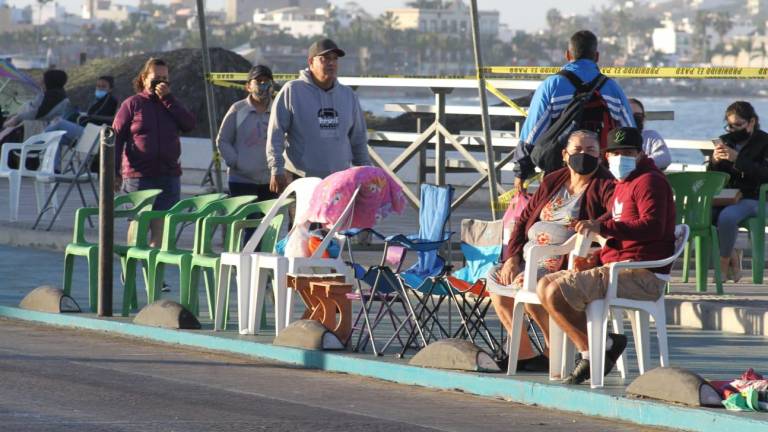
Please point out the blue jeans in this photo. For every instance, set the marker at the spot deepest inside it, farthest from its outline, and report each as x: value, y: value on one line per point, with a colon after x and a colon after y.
x: 73, y: 130
x: 728, y: 221
x: 170, y: 186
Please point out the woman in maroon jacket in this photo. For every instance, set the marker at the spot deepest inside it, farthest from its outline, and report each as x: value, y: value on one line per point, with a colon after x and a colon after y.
x: 147, y: 146
x: 582, y: 190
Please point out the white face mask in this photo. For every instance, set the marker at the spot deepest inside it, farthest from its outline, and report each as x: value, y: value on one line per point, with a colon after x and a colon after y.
x: 621, y: 166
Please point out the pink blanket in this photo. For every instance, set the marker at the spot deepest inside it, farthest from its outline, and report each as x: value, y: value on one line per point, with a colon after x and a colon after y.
x: 379, y: 195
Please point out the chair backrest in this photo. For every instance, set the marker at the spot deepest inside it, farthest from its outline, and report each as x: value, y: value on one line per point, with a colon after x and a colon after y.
x: 50, y: 141
x: 434, y: 213
x: 89, y: 140
x: 303, y: 188
x: 694, y: 193
x: 196, y: 202
x: 138, y: 201
x: 344, y: 222
x: 481, y: 244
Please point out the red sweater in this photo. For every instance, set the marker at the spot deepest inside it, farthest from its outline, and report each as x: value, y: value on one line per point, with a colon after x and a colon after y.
x: 594, y: 203
x: 643, y: 223
x: 147, y: 135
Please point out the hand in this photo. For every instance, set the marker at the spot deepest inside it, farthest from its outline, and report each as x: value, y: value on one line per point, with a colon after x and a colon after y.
x: 277, y: 183
x: 507, y: 272
x: 519, y: 185
x: 723, y: 152
x: 587, y: 227
x: 118, y: 185
x: 162, y: 90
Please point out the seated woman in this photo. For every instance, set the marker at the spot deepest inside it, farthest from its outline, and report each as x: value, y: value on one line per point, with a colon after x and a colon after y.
x: 742, y: 153
x: 582, y: 190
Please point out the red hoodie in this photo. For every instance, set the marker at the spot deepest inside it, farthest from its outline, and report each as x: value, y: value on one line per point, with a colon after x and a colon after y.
x: 643, y: 223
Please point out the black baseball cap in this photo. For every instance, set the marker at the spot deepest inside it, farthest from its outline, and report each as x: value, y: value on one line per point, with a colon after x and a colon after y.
x: 625, y: 138
x: 259, y: 71
x: 324, y: 46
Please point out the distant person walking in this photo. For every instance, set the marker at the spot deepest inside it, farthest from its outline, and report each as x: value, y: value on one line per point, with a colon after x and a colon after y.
x: 319, y: 118
x: 242, y: 138
x: 654, y: 145
x: 554, y: 94
x: 147, y: 146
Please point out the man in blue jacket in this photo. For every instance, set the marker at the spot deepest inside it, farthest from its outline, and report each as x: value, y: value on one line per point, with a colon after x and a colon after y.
x: 554, y: 94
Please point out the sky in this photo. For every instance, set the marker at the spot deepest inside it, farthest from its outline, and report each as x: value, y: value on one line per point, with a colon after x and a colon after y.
x: 531, y: 17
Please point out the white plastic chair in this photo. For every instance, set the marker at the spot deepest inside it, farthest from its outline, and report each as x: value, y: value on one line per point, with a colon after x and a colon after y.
x: 241, y: 262
x: 597, y: 315
x: 282, y: 266
x: 76, y: 171
x: 36, y: 143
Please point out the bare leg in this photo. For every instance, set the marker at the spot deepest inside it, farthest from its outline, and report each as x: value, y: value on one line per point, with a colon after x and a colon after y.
x: 503, y: 306
x: 573, y: 322
x: 156, y: 230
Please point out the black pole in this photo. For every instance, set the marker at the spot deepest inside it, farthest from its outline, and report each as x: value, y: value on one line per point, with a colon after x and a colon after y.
x: 106, y: 219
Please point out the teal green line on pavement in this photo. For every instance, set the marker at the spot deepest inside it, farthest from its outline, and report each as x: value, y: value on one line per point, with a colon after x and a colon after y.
x: 584, y: 401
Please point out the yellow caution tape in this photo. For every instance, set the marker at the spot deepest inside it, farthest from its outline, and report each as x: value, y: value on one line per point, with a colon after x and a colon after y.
x: 504, y: 98
x: 714, y: 72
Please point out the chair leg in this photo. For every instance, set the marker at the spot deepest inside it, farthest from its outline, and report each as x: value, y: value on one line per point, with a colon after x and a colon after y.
x: 757, y: 234
x: 596, y: 328
x: 185, y: 290
x: 660, y: 317
x: 222, y: 284
x: 258, y: 291
x: 702, y: 261
x: 686, y: 261
x: 513, y: 345
x: 558, y: 365
x: 14, y: 190
x: 640, y: 332
x: 69, y: 267
x: 93, y: 278
x: 716, y: 259
x: 617, y: 321
x: 280, y: 290
x: 129, y: 286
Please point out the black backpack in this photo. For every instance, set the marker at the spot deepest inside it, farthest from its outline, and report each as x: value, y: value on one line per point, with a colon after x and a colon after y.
x: 587, y: 110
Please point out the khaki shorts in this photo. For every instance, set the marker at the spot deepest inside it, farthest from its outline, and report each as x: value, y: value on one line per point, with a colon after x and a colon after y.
x: 581, y: 288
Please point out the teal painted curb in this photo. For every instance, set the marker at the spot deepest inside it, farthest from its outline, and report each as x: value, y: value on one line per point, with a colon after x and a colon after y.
x: 592, y: 403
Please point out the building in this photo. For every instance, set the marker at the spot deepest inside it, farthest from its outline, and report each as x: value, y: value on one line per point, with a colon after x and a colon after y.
x: 295, y: 21
x: 105, y: 10
x: 239, y: 11
x: 674, y: 39
x: 13, y: 19
x: 452, y: 19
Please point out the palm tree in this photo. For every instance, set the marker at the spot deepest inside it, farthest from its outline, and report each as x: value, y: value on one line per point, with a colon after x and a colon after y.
x: 722, y: 24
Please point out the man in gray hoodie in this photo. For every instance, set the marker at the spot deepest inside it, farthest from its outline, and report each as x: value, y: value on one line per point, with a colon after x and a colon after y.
x: 319, y: 118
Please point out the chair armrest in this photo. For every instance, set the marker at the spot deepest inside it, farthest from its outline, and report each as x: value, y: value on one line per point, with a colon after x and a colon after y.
x: 6, y: 151
x: 354, y: 232
x: 413, y: 242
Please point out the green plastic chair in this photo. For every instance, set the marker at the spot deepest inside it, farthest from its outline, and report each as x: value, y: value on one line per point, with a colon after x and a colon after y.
x: 139, y: 201
x: 694, y: 192
x: 207, y: 261
x: 171, y: 254
x: 756, y: 227
x: 142, y: 252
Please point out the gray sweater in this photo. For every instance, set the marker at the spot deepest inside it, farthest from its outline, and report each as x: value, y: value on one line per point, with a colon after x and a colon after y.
x: 324, y: 129
x: 242, y: 141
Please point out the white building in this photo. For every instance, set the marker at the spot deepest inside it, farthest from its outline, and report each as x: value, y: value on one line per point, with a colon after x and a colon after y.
x: 105, y: 10
x: 295, y: 21
x: 674, y: 38
x: 453, y: 19
x: 239, y: 11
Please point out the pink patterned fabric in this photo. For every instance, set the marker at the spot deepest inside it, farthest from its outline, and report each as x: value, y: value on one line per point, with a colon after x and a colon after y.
x: 379, y: 195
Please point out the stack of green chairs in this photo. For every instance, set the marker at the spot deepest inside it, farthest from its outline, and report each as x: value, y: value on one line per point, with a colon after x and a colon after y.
x: 141, y: 251
x: 171, y: 254
x: 694, y: 193
x: 138, y: 202
x: 207, y: 261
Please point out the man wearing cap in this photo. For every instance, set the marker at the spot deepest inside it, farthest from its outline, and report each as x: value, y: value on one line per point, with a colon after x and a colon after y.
x: 242, y: 138
x: 319, y: 118
x: 641, y: 228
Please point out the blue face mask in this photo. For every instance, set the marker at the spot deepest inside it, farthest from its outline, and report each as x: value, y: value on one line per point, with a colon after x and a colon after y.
x: 621, y: 166
x: 99, y: 93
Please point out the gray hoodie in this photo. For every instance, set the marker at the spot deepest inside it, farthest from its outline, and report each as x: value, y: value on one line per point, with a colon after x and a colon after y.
x: 242, y: 142
x: 325, y: 129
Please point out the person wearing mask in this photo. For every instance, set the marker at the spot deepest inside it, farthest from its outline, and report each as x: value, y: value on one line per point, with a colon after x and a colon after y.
x: 581, y: 190
x: 742, y: 153
x: 242, y: 138
x: 147, y: 145
x: 641, y: 227
x: 319, y: 118
x: 654, y: 145
x: 101, y: 111
x: 53, y: 103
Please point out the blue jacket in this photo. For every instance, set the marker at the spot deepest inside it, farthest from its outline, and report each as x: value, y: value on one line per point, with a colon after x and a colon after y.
x: 549, y: 101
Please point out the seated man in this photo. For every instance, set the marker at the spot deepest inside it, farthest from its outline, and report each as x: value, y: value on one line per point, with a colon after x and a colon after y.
x: 642, y: 228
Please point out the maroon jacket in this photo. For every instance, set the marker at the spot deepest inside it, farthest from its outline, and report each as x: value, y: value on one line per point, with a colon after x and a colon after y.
x: 642, y: 227
x: 147, y: 135
x: 594, y: 204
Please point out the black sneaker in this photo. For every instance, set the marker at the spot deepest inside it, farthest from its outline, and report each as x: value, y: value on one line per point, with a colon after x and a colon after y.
x: 503, y: 364
x: 165, y: 288
x: 540, y: 363
x: 579, y: 374
x: 619, y: 344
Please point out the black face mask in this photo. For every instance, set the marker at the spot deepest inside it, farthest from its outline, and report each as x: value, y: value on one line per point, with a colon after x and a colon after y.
x: 583, y: 163
x: 639, y: 121
x: 736, y: 136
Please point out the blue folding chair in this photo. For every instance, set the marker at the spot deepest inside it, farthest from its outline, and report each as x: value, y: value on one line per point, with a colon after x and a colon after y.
x: 390, y: 285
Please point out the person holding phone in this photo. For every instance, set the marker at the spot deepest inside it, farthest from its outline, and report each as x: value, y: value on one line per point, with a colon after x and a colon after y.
x: 147, y: 146
x: 743, y: 154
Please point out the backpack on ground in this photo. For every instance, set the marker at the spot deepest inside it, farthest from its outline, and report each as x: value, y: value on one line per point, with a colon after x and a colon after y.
x: 587, y: 110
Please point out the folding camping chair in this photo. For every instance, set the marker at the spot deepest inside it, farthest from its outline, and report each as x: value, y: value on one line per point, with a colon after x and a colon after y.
x: 74, y: 172
x: 389, y: 284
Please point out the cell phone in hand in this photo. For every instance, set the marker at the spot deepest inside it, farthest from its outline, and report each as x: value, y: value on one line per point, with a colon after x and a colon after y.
x: 717, y: 142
